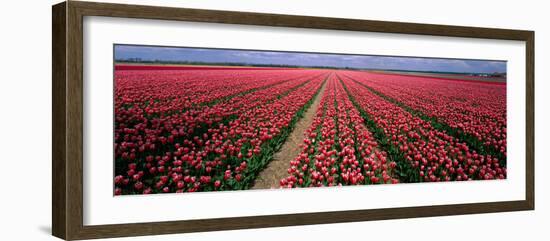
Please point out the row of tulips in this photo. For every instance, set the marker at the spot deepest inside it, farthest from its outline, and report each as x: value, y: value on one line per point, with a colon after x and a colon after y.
x: 476, y: 109
x: 161, y: 92
x: 431, y: 154
x: 338, y: 149
x: 218, y: 147
x: 138, y: 137
x: 135, y: 133
x: 374, y: 162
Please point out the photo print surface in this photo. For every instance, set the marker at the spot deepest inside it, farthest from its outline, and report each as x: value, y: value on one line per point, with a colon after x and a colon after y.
x: 204, y: 119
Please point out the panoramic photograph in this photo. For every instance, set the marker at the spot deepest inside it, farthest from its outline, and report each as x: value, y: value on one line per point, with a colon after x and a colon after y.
x: 204, y: 119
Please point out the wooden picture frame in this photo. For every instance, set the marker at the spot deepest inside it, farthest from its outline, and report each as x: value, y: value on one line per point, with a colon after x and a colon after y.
x: 67, y: 124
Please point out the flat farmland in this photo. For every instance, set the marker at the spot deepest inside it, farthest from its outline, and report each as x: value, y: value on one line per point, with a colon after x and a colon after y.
x: 200, y: 128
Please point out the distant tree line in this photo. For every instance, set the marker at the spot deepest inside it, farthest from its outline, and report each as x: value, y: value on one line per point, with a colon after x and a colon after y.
x: 141, y: 61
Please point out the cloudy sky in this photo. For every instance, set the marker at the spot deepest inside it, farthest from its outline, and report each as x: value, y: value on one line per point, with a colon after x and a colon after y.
x: 307, y: 59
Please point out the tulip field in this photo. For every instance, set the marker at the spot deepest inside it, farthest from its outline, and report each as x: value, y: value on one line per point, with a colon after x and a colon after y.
x: 198, y: 128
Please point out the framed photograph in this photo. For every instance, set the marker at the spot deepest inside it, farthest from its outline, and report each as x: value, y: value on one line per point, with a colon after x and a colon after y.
x: 171, y: 120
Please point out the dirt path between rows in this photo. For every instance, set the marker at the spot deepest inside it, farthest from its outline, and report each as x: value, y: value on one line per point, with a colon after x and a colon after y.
x: 277, y: 168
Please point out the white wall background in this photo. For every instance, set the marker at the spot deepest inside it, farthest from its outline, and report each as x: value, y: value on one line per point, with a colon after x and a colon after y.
x: 25, y: 120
